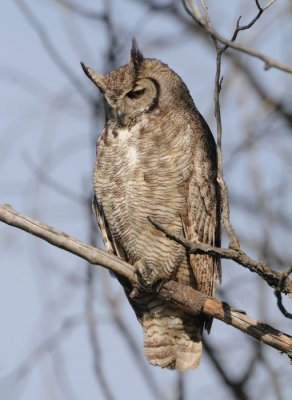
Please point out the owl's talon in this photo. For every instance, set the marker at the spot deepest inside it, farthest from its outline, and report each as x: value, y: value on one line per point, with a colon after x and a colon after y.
x: 148, y: 277
x: 135, y: 291
x: 158, y: 284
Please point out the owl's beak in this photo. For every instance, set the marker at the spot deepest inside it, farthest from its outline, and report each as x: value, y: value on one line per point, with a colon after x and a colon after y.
x: 96, y: 78
x: 121, y: 117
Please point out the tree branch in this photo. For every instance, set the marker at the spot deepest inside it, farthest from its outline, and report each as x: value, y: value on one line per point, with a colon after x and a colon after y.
x: 81, y: 11
x: 234, y: 242
x: 236, y: 388
x: 278, y: 293
x: 273, y: 278
x: 189, y: 299
x: 242, y: 67
x: 54, y: 54
x: 251, y: 23
x: 269, y: 62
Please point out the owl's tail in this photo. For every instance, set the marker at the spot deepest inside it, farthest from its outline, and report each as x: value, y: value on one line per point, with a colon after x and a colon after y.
x: 172, y: 340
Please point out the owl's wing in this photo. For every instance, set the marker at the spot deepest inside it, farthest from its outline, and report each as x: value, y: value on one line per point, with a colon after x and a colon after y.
x: 201, y: 218
x: 110, y: 244
x: 112, y: 247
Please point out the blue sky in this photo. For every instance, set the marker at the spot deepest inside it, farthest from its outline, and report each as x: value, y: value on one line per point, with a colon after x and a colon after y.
x: 46, y: 123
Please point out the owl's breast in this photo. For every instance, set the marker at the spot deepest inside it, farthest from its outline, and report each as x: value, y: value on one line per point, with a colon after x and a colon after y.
x: 117, y: 177
x: 138, y: 175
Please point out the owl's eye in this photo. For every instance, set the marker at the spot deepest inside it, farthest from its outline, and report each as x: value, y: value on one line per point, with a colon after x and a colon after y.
x: 135, y: 94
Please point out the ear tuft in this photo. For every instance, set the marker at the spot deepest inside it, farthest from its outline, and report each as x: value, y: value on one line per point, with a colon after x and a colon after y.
x: 136, y: 56
x: 96, y: 78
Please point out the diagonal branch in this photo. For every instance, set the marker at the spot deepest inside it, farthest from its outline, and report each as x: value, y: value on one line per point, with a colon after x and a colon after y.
x: 269, y: 62
x: 52, y: 51
x: 81, y: 10
x: 237, y: 388
x: 187, y: 298
x: 273, y: 278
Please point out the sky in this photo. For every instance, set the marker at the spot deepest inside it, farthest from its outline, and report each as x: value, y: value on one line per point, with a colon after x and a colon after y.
x: 47, y: 149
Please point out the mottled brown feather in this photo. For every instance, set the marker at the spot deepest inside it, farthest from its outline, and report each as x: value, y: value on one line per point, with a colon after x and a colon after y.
x: 158, y: 159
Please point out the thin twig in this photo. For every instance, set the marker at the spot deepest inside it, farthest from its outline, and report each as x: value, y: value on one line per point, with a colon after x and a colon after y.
x: 93, y: 338
x: 61, y: 375
x: 205, y: 22
x: 94, y: 341
x: 225, y: 210
x: 242, y: 67
x: 269, y: 62
x: 80, y: 10
x: 185, y: 297
x: 278, y: 293
x: 50, y: 48
x: 256, y: 356
x: 251, y: 23
x: 259, y: 88
x: 125, y: 332
x: 47, y: 345
x: 43, y: 176
x: 180, y: 386
x: 237, y: 388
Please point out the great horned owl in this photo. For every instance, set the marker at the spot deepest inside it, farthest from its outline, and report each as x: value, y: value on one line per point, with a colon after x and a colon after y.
x: 156, y: 157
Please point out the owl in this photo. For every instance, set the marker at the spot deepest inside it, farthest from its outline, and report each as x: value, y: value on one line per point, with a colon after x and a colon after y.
x: 156, y: 157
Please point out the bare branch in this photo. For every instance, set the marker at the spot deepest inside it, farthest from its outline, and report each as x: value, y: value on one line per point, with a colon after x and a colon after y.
x: 48, y: 345
x: 269, y: 3
x: 233, y: 239
x: 125, y: 332
x: 80, y: 10
x: 278, y: 293
x: 180, y: 386
x: 187, y: 298
x: 243, y: 68
x: 269, y: 62
x: 252, y: 22
x: 43, y: 177
x: 260, y: 89
x: 237, y: 388
x: 273, y: 278
x: 51, y: 50
x: 225, y: 210
x: 93, y: 338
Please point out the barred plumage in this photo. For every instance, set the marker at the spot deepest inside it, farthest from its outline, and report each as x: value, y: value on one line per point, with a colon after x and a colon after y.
x: 157, y: 157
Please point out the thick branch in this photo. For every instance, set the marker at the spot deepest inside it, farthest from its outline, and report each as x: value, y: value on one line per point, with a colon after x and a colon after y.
x: 185, y: 297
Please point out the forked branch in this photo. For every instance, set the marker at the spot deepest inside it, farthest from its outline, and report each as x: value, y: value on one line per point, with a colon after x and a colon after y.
x: 269, y: 62
x: 185, y: 297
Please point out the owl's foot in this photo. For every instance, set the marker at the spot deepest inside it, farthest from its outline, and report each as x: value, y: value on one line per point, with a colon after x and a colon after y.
x: 148, y: 278
x: 136, y: 290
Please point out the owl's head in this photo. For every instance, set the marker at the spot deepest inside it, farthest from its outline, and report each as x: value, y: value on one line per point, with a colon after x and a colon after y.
x: 143, y: 86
